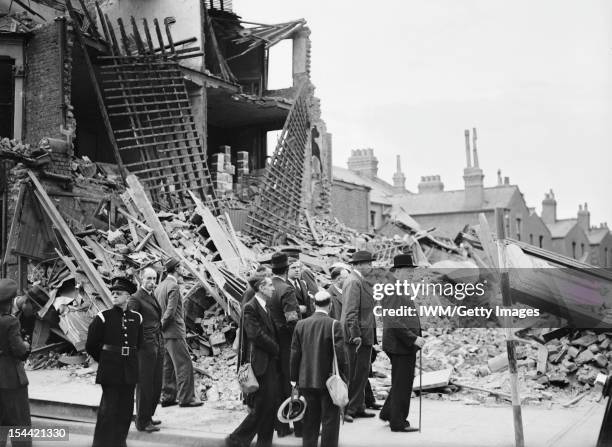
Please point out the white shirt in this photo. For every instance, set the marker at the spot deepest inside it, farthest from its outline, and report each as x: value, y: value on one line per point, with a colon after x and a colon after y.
x: 171, y: 276
x: 261, y: 301
x: 322, y: 311
x: 358, y: 273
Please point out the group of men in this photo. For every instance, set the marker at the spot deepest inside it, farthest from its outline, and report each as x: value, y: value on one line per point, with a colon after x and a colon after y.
x: 140, y: 345
x: 290, y: 340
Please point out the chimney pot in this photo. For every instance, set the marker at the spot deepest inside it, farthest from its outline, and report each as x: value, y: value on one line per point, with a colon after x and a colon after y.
x: 506, y: 180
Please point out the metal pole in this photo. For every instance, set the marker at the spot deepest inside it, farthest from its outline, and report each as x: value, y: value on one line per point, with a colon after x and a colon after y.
x: 510, y: 340
x: 420, y: 386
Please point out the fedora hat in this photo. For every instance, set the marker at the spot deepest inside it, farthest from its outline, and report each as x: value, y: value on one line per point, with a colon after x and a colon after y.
x: 8, y: 289
x: 292, y: 410
x: 293, y: 252
x: 361, y: 256
x: 279, y: 260
x: 403, y: 260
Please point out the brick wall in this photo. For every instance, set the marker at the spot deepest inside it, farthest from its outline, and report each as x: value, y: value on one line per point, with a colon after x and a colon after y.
x: 351, y: 205
x: 43, y: 89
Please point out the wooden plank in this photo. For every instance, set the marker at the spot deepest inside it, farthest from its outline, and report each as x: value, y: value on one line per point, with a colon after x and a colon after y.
x: 313, y: 230
x: 71, y: 242
x: 219, y: 236
x: 489, y: 245
x: 542, y: 359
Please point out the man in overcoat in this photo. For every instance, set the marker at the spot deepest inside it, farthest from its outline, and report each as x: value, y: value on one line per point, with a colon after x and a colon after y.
x: 401, y: 341
x: 178, y: 368
x: 312, y: 354
x: 14, y: 403
x: 260, y: 348
x: 359, y: 327
x: 151, y: 353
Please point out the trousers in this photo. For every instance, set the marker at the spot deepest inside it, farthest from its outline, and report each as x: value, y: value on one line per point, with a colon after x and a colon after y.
x: 359, y: 369
x: 262, y: 414
x: 397, y: 404
x: 178, y: 372
x: 148, y: 389
x: 114, y: 416
x: 320, y: 412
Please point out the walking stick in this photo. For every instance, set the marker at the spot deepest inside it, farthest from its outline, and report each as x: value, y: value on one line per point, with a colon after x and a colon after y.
x: 420, y: 386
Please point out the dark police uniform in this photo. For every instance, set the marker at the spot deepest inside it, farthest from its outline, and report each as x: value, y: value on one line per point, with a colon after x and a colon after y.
x: 113, y: 341
x: 14, y: 403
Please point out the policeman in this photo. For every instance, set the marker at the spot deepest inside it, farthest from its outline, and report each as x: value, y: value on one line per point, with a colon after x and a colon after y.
x: 14, y: 403
x: 114, y: 337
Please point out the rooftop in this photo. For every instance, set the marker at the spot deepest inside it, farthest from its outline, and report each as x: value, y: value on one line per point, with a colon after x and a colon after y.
x: 596, y: 235
x: 561, y: 227
x: 454, y: 201
x: 381, y: 191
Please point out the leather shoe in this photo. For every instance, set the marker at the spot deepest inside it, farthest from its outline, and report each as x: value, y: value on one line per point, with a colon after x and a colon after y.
x: 193, y: 403
x: 405, y: 429
x: 150, y: 428
x: 348, y: 418
x: 374, y: 406
x: 155, y: 422
x: 284, y: 432
x: 168, y: 403
x: 363, y: 414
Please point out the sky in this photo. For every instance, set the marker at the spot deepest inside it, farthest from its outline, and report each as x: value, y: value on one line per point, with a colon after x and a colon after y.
x: 406, y: 77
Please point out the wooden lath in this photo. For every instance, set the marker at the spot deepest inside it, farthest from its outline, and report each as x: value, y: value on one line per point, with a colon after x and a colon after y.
x: 280, y: 203
x: 151, y: 118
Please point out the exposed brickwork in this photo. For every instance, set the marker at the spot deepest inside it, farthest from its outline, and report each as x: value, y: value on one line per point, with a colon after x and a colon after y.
x: 44, y: 92
x: 350, y: 204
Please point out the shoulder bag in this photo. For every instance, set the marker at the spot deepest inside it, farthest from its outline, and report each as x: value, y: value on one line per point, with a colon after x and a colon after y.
x: 338, y: 390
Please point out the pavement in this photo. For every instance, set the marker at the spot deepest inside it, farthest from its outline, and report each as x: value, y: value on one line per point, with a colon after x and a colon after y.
x: 444, y: 423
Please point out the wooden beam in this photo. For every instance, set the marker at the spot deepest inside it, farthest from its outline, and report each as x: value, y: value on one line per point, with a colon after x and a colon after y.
x: 96, y: 88
x: 71, y: 242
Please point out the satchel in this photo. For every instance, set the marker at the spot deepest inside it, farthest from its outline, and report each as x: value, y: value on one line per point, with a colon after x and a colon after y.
x: 338, y: 391
x: 246, y: 377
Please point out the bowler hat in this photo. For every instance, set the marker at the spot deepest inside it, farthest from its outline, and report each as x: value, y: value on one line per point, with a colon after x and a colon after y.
x: 279, y: 260
x: 121, y: 283
x: 8, y: 289
x: 171, y: 264
x: 361, y: 256
x: 403, y: 260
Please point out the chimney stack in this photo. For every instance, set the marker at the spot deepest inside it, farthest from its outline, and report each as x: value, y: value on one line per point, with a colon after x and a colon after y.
x: 363, y: 162
x: 399, y: 179
x: 549, y: 208
x: 473, y: 176
x: 584, y: 217
x: 468, y: 158
x: 499, y: 178
x: 430, y: 184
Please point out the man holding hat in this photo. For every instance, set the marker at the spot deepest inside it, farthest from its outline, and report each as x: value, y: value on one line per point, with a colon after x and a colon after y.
x: 178, y: 368
x: 114, y: 338
x: 151, y: 354
x: 312, y: 354
x: 14, y: 403
x: 360, y: 330
x: 259, y: 347
x: 401, y: 341
x: 284, y: 310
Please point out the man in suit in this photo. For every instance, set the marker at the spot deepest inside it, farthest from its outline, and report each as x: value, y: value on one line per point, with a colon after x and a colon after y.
x: 259, y: 347
x: 14, y: 402
x: 178, y: 368
x: 151, y: 353
x: 401, y: 340
x: 360, y: 330
x: 113, y: 340
x: 285, y: 312
x: 338, y: 276
x: 312, y: 356
x: 301, y: 289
